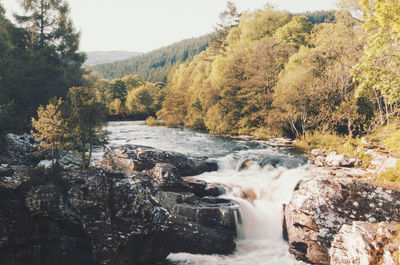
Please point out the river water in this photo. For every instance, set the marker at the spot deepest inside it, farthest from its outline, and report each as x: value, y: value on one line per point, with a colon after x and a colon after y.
x: 260, y: 189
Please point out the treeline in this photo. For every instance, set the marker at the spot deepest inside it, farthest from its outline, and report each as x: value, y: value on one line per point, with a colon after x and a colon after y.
x: 41, y: 76
x: 276, y: 74
x: 129, y: 97
x: 318, y: 17
x: 154, y: 66
x: 39, y: 59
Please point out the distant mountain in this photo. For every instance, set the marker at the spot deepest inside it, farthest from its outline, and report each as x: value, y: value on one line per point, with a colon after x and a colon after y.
x: 94, y: 58
x: 154, y: 66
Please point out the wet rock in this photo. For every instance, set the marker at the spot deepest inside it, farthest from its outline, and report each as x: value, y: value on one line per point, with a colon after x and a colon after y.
x: 365, y: 243
x: 247, y: 164
x: 83, y: 218
x: 338, y: 160
x: 207, y: 227
x: 132, y: 158
x: 322, y: 205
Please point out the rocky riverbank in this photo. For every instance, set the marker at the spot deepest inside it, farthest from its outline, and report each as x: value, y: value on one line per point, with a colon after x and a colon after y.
x: 136, y: 207
x: 338, y: 216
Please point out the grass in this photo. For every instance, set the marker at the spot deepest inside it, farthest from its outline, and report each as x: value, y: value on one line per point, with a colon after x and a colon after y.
x: 330, y: 142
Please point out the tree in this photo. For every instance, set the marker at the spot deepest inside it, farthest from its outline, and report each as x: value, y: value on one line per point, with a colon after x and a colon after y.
x: 229, y: 18
x: 87, y: 119
x: 51, y: 128
x: 296, y: 32
x: 378, y: 70
x: 54, y: 44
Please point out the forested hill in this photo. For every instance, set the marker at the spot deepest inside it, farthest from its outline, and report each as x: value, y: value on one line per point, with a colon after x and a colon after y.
x: 101, y: 57
x: 317, y: 17
x: 155, y: 66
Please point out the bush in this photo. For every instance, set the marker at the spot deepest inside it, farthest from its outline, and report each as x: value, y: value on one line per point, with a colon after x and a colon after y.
x: 151, y: 121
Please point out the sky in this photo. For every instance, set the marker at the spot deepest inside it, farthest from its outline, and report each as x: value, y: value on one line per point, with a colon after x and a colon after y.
x: 145, y: 25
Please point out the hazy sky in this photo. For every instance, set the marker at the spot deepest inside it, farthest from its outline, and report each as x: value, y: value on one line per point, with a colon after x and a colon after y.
x: 144, y: 25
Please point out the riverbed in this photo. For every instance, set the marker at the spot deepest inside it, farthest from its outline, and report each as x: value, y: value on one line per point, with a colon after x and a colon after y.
x: 260, y: 176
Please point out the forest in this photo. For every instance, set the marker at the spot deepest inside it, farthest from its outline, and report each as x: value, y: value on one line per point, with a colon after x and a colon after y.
x: 154, y: 66
x: 265, y: 73
x: 277, y: 74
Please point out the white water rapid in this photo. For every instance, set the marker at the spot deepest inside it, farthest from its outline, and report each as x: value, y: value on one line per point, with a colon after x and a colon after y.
x: 257, y: 175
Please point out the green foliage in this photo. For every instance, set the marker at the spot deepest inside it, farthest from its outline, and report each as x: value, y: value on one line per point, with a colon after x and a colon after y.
x: 296, y: 32
x: 318, y: 17
x: 378, y: 70
x: 39, y: 60
x: 86, y: 118
x: 155, y: 66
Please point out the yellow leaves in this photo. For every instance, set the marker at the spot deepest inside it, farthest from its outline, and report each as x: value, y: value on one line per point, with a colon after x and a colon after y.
x: 50, y: 127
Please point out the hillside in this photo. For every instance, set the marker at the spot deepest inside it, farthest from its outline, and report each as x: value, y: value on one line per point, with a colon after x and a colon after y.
x: 155, y: 66
x: 101, y: 57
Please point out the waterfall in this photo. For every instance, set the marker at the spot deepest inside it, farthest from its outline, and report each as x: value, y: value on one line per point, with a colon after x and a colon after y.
x: 256, y: 174
x: 260, y: 191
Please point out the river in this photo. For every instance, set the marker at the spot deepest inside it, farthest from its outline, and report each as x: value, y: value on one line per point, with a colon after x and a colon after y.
x: 260, y: 189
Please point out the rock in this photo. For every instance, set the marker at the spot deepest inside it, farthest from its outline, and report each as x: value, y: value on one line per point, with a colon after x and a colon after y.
x: 247, y: 164
x: 22, y: 149
x: 322, y: 205
x: 132, y: 158
x: 164, y: 176
x: 335, y: 160
x: 45, y: 164
x: 207, y: 227
x: 70, y: 159
x: 168, y: 199
x: 6, y: 171
x: 317, y: 152
x: 365, y: 243
x: 83, y: 218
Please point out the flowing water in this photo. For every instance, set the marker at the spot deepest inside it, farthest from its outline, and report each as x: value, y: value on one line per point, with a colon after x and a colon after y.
x: 260, y: 188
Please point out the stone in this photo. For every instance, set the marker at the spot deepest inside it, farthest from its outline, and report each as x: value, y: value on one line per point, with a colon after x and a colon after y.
x: 338, y: 160
x: 22, y: 149
x: 317, y: 152
x: 207, y: 227
x: 322, y: 205
x: 81, y: 218
x: 6, y: 171
x: 365, y: 243
x: 164, y: 176
x: 247, y: 164
x: 132, y: 158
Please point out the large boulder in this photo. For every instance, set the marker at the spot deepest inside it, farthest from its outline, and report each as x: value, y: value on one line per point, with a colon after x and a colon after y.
x: 322, y: 205
x: 22, y: 150
x: 205, y: 227
x: 365, y: 243
x: 83, y: 218
x: 131, y: 158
